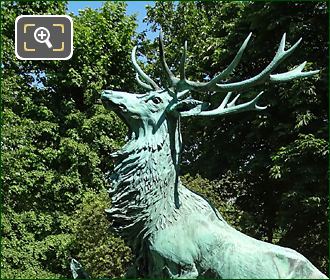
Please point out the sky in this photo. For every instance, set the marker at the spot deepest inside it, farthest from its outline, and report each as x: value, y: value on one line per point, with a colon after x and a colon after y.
x: 133, y: 7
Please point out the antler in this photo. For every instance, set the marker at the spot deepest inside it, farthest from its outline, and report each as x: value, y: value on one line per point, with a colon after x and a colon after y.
x: 182, y: 86
x: 262, y: 77
x: 151, y: 84
x: 227, y: 108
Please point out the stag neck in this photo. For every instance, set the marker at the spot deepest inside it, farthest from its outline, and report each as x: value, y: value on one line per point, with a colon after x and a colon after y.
x: 154, y: 136
x: 145, y: 183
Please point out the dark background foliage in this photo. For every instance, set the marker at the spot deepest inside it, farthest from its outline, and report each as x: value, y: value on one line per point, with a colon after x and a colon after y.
x: 266, y: 172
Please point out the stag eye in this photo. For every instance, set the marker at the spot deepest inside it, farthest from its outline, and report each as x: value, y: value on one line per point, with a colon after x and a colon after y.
x: 156, y: 100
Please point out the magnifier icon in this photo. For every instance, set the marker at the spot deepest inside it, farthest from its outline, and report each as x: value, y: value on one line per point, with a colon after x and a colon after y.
x: 41, y: 35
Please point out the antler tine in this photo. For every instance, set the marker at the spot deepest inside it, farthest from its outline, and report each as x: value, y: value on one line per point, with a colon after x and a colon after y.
x: 142, y: 84
x: 225, y: 73
x: 293, y: 74
x: 141, y: 73
x: 169, y: 73
x: 182, y: 63
x: 181, y: 94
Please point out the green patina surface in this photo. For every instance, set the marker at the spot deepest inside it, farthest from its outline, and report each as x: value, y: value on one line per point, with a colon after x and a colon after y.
x: 174, y: 232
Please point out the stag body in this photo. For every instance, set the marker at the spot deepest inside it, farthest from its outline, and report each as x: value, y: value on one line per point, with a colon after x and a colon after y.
x: 175, y: 232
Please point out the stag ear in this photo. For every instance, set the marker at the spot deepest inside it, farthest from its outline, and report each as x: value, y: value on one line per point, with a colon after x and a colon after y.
x: 189, y: 107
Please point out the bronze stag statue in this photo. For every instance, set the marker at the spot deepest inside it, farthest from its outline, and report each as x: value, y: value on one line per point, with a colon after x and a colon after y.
x: 174, y: 232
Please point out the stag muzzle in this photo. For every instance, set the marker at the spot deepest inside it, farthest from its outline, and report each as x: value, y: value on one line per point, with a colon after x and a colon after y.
x: 115, y: 100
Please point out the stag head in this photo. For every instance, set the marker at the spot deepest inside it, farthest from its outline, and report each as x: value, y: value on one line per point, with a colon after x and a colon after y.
x: 152, y: 108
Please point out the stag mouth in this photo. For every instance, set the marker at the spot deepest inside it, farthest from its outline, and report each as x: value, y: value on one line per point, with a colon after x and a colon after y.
x: 119, y: 108
x: 108, y: 103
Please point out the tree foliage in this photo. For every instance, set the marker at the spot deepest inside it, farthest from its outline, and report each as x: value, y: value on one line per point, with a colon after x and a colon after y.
x: 266, y: 173
x: 56, y: 142
x: 104, y: 256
